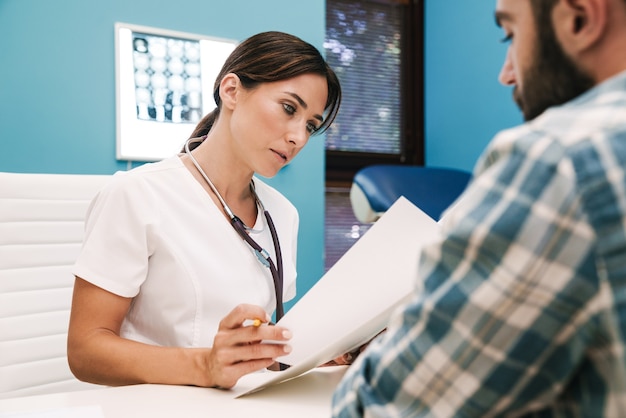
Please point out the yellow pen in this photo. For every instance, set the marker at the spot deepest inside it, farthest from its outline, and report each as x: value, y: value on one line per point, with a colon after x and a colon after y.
x: 256, y: 322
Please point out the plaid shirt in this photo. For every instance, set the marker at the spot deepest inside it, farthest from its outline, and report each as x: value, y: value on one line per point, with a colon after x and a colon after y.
x: 523, y: 305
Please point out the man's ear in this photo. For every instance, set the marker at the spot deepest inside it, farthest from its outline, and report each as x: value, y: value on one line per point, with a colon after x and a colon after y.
x: 229, y: 86
x: 579, y: 24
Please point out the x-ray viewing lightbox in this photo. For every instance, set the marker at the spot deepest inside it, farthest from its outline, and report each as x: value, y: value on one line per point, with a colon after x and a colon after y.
x: 164, y: 86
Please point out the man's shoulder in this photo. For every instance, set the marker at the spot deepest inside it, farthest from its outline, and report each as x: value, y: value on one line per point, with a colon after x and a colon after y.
x: 601, y: 109
x: 599, y: 113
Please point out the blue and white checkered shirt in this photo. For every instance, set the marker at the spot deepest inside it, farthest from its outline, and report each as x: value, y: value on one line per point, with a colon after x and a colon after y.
x: 523, y: 308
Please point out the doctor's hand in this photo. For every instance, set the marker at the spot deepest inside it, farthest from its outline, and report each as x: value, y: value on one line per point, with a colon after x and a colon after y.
x: 237, y: 348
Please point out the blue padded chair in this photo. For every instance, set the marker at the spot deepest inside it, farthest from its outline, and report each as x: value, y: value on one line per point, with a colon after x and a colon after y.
x: 433, y: 189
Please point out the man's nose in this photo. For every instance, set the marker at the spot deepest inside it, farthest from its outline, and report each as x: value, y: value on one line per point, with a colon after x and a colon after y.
x: 507, y: 73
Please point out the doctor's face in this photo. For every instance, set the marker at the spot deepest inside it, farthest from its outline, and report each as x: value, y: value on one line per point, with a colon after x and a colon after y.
x: 535, y: 65
x: 273, y: 121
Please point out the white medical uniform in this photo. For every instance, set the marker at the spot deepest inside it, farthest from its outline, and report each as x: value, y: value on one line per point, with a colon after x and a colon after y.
x: 155, y: 235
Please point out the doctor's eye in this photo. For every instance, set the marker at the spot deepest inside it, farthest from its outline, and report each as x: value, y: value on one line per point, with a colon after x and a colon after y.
x: 289, y: 109
x: 311, y: 128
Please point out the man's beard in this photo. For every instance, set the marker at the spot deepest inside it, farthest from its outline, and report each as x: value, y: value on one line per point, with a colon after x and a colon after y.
x: 552, y: 79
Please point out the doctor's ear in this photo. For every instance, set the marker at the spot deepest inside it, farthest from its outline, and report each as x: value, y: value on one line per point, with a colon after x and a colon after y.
x: 229, y: 87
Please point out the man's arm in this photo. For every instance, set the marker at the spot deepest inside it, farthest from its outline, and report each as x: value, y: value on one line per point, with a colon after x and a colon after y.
x: 507, y: 295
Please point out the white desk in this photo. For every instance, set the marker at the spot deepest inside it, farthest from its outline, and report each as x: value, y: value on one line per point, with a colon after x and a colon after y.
x: 307, y: 396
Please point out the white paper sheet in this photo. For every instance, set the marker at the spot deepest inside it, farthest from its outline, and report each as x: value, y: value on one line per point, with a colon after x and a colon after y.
x: 353, y: 301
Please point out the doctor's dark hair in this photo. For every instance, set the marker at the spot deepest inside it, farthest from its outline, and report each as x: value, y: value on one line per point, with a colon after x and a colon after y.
x: 268, y: 57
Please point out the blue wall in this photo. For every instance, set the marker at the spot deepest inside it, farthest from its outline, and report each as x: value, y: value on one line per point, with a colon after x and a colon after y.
x: 57, y: 88
x: 465, y: 105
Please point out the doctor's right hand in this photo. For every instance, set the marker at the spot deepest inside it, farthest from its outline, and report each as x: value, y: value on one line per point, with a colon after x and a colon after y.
x: 238, y: 348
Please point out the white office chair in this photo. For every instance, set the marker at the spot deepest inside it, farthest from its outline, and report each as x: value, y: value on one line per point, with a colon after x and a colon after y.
x: 41, y: 230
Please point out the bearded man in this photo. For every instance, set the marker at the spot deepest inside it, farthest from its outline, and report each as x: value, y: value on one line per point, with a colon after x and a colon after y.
x: 523, y: 307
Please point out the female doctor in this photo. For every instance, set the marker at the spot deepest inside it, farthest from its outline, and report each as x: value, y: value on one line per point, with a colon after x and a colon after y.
x: 181, y: 256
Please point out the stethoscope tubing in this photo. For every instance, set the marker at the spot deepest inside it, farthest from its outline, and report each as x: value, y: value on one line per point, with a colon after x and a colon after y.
x: 266, y: 259
x: 262, y: 255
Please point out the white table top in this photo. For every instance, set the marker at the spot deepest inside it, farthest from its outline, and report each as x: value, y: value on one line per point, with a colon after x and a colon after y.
x: 306, y: 396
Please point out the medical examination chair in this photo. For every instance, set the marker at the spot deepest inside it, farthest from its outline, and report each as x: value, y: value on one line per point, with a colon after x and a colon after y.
x: 433, y: 189
x: 41, y: 231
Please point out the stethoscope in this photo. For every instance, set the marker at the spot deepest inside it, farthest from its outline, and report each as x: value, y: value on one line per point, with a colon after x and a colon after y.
x: 262, y: 255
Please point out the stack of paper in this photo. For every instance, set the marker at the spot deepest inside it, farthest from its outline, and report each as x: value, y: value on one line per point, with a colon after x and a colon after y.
x: 353, y: 301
